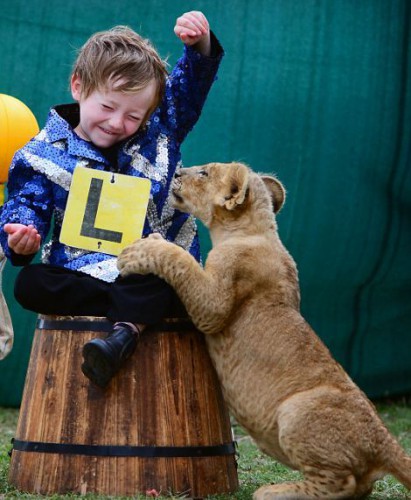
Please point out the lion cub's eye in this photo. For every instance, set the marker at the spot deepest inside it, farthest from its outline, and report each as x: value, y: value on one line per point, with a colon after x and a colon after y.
x: 203, y: 173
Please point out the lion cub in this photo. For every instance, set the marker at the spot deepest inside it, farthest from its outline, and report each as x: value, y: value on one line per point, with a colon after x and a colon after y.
x: 278, y: 378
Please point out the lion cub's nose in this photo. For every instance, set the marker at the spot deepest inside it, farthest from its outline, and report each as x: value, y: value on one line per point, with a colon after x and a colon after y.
x: 178, y: 173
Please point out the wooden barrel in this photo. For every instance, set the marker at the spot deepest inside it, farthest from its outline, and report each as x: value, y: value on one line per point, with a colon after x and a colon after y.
x: 160, y: 425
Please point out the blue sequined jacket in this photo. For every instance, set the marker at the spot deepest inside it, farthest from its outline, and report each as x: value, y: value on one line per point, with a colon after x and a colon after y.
x: 41, y: 172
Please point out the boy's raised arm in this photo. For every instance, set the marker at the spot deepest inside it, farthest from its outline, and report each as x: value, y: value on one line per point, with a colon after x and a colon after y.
x: 189, y: 82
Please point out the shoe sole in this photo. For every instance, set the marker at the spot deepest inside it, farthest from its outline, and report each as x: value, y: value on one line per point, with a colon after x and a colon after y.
x: 96, y: 367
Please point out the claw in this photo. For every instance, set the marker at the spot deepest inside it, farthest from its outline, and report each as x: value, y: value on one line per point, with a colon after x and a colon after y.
x: 156, y: 236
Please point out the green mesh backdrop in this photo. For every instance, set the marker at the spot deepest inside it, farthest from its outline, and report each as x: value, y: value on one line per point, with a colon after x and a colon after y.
x: 316, y: 91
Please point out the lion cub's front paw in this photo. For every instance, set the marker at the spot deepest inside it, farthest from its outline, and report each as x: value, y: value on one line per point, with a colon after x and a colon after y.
x: 138, y: 258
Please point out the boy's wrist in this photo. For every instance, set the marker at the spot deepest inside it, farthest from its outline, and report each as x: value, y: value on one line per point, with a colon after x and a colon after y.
x: 214, y: 50
x: 18, y: 259
x: 203, y: 46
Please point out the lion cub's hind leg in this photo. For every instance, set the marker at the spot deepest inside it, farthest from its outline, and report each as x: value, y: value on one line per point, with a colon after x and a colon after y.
x: 321, y: 485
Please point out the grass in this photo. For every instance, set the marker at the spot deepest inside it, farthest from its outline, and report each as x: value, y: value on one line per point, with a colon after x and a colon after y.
x: 254, y: 468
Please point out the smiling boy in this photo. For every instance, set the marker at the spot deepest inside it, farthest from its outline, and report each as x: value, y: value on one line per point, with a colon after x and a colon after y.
x: 130, y: 118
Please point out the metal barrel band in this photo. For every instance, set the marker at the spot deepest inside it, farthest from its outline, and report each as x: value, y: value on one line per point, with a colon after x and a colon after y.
x: 80, y: 325
x: 125, y: 451
x: 75, y: 325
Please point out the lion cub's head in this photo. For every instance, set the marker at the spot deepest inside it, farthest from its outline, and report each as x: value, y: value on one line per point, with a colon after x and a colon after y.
x: 225, y: 191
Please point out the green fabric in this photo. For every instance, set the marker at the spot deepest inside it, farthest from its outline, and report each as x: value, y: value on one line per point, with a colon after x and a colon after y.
x: 316, y: 91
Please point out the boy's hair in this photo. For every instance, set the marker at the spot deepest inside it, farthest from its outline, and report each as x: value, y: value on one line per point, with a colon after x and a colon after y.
x: 122, y: 60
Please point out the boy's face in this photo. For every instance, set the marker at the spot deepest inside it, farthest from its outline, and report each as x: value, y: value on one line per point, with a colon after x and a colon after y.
x: 109, y: 116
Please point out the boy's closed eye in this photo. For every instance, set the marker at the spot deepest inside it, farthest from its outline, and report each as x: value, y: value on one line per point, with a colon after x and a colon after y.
x: 107, y: 107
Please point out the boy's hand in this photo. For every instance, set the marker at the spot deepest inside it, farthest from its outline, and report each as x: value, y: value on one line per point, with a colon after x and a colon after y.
x: 193, y: 29
x: 23, y: 240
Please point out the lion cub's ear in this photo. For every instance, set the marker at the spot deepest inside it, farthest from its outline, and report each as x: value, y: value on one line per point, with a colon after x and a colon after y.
x: 234, y: 186
x: 276, y: 190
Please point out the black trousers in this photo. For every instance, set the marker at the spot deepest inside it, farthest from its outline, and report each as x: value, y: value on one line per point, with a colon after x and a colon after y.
x: 47, y: 289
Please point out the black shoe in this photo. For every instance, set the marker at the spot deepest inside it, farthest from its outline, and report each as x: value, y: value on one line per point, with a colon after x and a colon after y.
x: 104, y: 357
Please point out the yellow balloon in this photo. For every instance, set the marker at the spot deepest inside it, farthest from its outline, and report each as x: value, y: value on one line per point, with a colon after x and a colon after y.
x: 17, y: 126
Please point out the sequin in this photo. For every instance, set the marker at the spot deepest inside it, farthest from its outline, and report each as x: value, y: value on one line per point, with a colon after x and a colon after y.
x: 53, y: 171
x: 41, y: 172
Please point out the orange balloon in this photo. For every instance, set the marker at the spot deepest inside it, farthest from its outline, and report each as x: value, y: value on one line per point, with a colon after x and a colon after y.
x: 17, y: 126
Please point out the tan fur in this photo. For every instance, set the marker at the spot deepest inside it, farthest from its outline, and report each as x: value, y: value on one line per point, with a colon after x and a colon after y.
x: 278, y: 378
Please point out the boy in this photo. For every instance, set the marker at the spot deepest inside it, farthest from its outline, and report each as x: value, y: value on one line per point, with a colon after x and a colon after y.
x: 130, y: 118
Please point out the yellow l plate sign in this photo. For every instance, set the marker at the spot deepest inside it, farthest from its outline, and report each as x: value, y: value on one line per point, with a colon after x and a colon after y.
x: 105, y: 211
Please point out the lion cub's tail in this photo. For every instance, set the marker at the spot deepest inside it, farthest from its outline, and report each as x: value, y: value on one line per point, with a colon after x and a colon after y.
x: 399, y: 465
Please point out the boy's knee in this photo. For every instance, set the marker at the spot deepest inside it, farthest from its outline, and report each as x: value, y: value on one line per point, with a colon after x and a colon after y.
x: 24, y: 287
